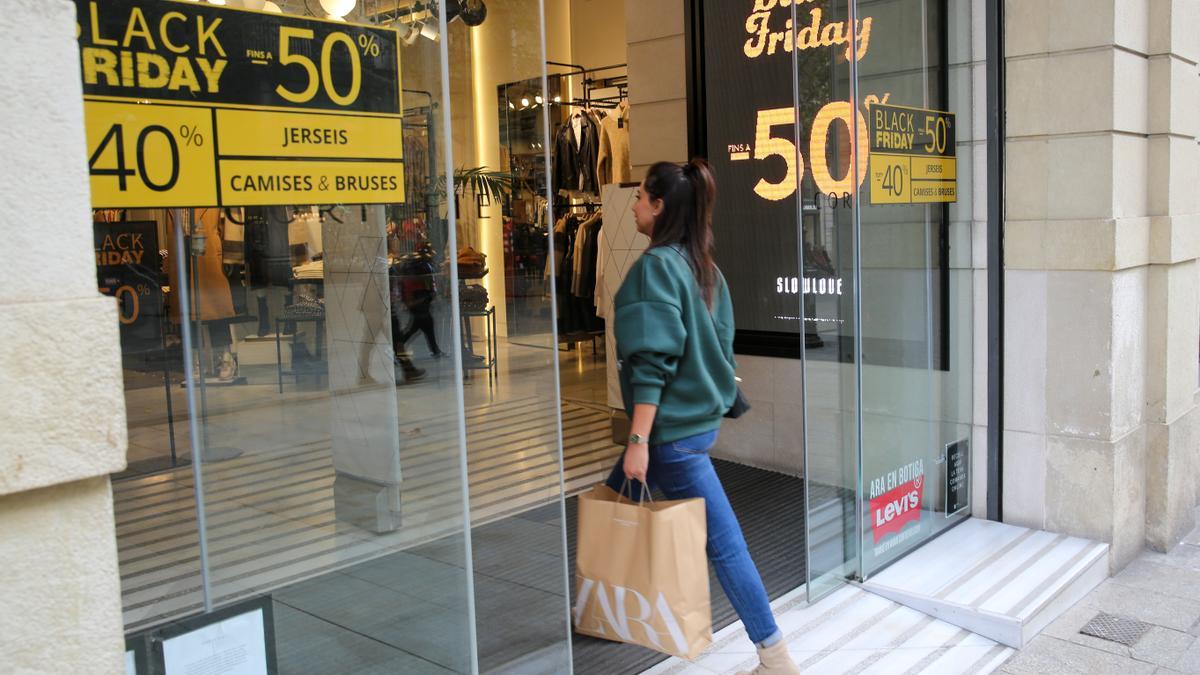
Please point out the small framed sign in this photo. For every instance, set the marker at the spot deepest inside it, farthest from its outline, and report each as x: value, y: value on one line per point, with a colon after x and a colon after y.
x: 958, y: 477
x: 234, y: 640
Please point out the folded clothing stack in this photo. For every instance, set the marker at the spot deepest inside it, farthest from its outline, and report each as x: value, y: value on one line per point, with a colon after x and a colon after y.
x: 473, y: 298
x: 471, y: 263
x: 310, y: 270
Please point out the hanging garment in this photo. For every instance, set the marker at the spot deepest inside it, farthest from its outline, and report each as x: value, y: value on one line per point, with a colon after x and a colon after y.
x: 574, y: 162
x: 613, y: 164
x: 554, y: 265
x: 591, y: 254
x: 600, y: 296
x: 578, y: 259
x: 208, y: 286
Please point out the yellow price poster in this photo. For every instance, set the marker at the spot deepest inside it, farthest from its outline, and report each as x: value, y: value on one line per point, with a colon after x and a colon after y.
x: 912, y: 155
x: 191, y: 105
x: 257, y: 133
x: 150, y: 156
x: 256, y: 182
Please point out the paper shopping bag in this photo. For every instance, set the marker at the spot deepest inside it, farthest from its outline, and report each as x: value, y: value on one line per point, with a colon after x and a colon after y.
x: 642, y: 573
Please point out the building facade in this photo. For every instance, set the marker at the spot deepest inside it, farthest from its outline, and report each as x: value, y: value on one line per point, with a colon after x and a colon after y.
x: 348, y: 366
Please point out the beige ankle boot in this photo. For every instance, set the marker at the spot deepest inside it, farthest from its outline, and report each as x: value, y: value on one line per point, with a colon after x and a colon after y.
x: 774, y: 660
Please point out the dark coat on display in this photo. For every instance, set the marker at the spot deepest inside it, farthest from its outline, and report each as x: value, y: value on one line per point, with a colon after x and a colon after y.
x: 575, y: 161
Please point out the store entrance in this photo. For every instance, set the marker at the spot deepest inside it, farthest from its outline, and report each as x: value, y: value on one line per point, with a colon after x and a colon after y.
x: 396, y: 395
x: 583, y: 182
x: 844, y: 225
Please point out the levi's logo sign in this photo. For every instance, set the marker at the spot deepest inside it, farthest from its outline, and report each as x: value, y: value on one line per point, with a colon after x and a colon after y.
x: 894, y: 509
x: 606, y: 611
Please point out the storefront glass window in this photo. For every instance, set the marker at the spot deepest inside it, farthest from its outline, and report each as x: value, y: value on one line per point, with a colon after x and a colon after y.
x: 303, y: 211
x: 365, y: 254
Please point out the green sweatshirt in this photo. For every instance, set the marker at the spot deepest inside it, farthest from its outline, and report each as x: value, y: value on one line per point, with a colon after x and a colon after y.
x: 672, y: 352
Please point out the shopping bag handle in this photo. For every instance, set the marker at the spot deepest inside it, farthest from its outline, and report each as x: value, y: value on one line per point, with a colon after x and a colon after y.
x: 645, y: 492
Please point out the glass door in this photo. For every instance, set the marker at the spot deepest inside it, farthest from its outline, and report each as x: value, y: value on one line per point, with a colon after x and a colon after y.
x: 887, y: 362
x: 915, y: 229
x: 784, y: 224
x: 830, y: 128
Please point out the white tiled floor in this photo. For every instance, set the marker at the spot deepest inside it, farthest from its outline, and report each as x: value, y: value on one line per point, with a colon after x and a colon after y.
x: 852, y: 631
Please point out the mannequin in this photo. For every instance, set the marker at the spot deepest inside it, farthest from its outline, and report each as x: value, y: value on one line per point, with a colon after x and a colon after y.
x: 212, y: 300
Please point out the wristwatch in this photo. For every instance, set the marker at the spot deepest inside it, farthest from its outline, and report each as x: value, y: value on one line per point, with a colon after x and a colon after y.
x: 637, y: 439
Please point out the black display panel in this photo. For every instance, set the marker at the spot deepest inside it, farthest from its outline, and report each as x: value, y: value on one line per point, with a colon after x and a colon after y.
x: 781, y: 151
x: 758, y: 138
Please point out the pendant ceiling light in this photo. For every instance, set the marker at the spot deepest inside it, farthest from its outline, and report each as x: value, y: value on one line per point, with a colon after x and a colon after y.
x: 337, y: 8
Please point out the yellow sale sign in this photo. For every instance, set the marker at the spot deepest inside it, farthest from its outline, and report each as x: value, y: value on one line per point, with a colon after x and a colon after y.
x: 191, y: 105
x: 911, y: 155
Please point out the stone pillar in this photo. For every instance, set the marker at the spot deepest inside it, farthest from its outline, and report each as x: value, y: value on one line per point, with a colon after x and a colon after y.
x: 62, y: 406
x: 1173, y: 386
x: 1101, y: 323
x: 657, y: 83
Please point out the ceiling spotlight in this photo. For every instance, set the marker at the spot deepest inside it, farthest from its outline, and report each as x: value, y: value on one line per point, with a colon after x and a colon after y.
x: 337, y: 9
x: 429, y: 32
x: 558, y: 99
x: 524, y: 102
x: 408, y: 34
x: 538, y: 98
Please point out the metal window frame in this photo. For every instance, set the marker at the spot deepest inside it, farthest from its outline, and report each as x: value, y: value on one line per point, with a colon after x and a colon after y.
x: 994, y: 37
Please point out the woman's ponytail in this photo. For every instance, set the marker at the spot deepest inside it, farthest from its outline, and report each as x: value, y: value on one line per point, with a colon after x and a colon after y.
x: 700, y: 244
x: 688, y: 194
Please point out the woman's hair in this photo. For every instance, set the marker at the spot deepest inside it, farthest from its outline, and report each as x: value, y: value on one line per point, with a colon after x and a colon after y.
x: 687, y: 193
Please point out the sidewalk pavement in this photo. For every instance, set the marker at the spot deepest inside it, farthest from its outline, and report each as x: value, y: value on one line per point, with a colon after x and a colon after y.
x: 1161, y: 591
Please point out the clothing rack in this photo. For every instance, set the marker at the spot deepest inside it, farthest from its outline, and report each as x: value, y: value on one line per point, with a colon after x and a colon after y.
x: 390, y: 16
x: 619, y: 82
x: 568, y: 334
x: 586, y: 206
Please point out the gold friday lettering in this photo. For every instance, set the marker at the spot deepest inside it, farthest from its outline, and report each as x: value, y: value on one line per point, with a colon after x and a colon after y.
x: 812, y: 34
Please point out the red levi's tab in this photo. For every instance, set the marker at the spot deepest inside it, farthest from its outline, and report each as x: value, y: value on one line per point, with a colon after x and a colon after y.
x: 894, y: 509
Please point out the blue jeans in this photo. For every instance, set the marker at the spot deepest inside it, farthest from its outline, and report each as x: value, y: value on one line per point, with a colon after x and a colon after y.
x: 683, y: 470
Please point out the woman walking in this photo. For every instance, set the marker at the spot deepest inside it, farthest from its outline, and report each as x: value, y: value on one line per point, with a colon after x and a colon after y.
x: 674, y: 331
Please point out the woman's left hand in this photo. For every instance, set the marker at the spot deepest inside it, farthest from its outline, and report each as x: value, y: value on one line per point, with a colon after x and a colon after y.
x: 637, y: 461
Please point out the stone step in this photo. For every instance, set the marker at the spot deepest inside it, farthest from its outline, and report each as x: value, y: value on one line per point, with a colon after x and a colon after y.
x: 997, y: 580
x: 849, y: 632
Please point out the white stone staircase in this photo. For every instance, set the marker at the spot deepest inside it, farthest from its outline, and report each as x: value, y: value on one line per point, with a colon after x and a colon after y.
x: 1004, y: 582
